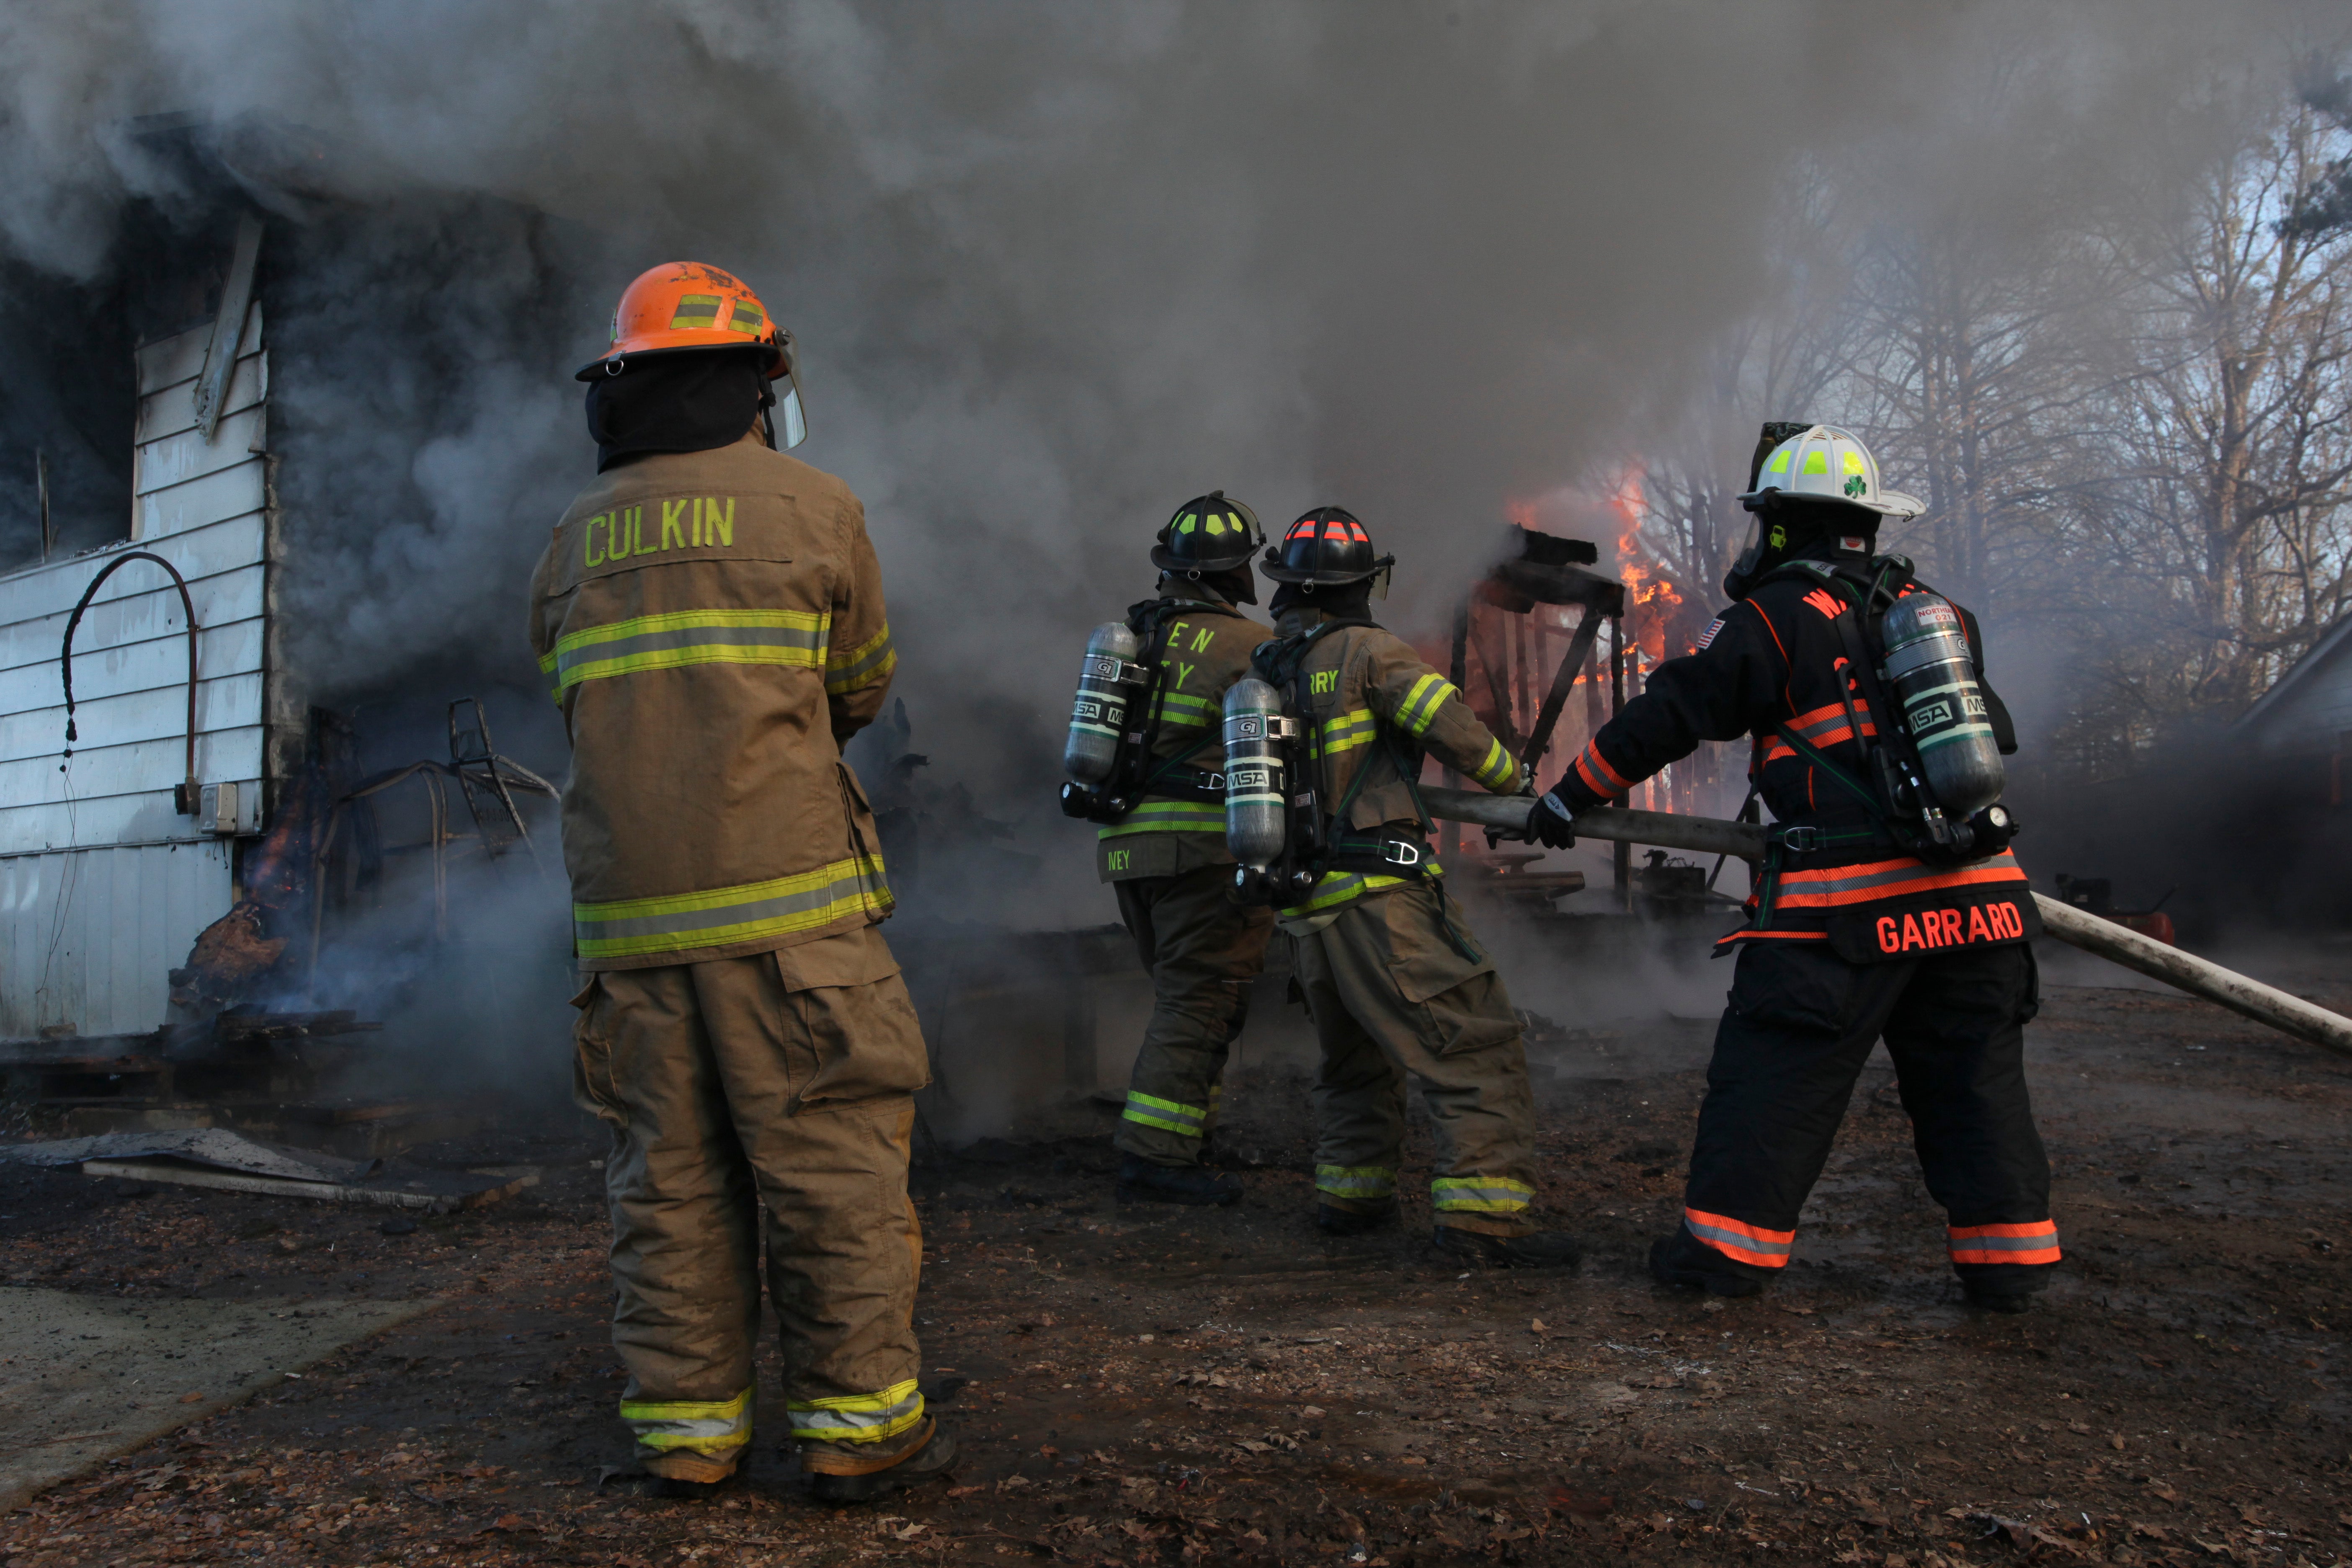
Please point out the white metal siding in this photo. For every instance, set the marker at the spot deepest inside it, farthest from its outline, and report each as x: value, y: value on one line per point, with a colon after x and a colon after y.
x: 89, y: 937
x: 103, y: 886
x: 200, y: 506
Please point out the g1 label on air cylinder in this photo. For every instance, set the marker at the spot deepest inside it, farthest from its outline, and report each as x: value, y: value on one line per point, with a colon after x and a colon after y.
x: 1106, y: 683
x: 1257, y: 810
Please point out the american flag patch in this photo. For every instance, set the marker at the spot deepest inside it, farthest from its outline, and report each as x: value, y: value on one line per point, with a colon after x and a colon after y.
x: 1707, y: 635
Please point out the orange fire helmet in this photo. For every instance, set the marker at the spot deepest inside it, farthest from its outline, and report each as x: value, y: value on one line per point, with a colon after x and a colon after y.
x: 684, y: 305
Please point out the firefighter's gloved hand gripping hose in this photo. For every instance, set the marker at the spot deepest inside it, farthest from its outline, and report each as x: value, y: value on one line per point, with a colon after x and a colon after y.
x: 1712, y: 836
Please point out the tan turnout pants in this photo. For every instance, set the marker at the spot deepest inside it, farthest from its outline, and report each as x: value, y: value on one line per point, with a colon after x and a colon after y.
x: 779, y: 1082
x: 1389, y: 995
x: 1202, y: 951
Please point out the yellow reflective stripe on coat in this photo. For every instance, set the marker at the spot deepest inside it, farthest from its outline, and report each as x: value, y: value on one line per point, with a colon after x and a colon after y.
x: 707, y: 1426
x: 1346, y: 731
x: 846, y: 669
x: 1482, y: 1195
x: 1498, y: 770
x: 1418, y: 709
x: 1169, y: 1115
x: 1183, y: 710
x: 629, y: 928
x: 1339, y: 887
x: 1167, y: 816
x: 1356, y: 1181
x: 858, y: 1418
x: 795, y: 639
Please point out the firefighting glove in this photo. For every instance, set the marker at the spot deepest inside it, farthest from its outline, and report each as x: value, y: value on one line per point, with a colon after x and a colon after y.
x: 1552, y: 824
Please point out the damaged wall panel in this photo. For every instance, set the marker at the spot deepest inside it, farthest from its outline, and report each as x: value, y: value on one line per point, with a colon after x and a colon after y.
x: 88, y: 937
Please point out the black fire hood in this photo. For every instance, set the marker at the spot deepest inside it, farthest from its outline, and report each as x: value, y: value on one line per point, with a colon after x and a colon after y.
x: 675, y: 403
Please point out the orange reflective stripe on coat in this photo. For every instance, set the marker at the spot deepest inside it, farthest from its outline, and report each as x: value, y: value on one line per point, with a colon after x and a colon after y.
x: 1740, y: 1241
x: 1838, y: 886
x: 1598, y: 776
x: 2035, y: 1242
x: 1822, y: 728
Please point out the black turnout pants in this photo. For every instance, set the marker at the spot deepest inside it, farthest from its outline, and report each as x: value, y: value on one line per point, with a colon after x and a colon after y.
x: 1801, y: 1023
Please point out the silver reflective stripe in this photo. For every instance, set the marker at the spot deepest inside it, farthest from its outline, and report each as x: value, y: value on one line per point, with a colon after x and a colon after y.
x: 841, y: 888
x: 707, y: 1426
x: 1355, y: 1181
x: 1743, y: 1240
x: 857, y: 1418
x: 808, y: 640
x: 2041, y: 1241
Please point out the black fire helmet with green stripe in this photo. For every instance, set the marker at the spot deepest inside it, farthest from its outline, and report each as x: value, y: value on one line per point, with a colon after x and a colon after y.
x: 1209, y: 533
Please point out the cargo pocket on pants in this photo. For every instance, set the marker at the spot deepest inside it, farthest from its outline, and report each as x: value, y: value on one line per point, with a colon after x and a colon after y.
x: 593, y: 1087
x: 864, y: 1042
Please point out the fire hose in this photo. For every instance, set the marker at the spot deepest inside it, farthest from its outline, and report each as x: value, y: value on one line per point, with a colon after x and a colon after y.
x: 1712, y: 836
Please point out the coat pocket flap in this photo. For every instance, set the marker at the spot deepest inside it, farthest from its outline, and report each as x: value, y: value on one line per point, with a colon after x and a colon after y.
x: 857, y: 957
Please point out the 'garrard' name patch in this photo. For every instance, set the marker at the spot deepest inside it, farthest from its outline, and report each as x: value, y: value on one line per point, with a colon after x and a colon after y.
x: 1881, y: 935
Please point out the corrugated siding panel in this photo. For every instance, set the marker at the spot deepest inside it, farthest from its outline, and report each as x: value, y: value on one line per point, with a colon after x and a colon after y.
x: 89, y: 936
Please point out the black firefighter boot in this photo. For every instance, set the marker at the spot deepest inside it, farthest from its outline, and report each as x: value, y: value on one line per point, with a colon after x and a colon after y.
x: 1534, y: 1249
x: 2001, y: 1287
x: 1141, y: 1181
x: 1682, y: 1260
x: 1333, y: 1220
x: 838, y: 1476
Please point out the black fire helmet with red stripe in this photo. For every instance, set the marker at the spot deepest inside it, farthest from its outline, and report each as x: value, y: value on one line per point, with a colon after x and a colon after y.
x: 1325, y: 547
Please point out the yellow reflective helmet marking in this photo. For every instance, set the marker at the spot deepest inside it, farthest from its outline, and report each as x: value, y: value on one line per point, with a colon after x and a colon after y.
x: 1816, y: 462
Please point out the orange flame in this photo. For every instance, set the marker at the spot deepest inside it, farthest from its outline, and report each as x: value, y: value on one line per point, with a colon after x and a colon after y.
x: 1652, y: 603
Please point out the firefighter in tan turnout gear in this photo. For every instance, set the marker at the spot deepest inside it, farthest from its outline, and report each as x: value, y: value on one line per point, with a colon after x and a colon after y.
x: 708, y: 615
x: 1394, y: 980
x: 1163, y: 848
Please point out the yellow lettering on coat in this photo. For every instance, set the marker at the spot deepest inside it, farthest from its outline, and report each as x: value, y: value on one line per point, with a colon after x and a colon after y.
x: 591, y: 556
x: 1201, y: 639
x: 723, y: 522
x: 1184, y: 672
x: 672, y: 529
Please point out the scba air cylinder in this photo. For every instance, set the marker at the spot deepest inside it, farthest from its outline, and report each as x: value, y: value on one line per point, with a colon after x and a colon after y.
x: 1257, y: 794
x: 1935, y: 683
x: 1106, y: 683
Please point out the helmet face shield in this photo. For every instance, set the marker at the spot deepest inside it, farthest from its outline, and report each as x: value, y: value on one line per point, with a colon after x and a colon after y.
x: 792, y: 420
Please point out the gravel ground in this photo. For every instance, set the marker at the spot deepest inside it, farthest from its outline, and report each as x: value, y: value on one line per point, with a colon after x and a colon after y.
x: 1149, y: 1385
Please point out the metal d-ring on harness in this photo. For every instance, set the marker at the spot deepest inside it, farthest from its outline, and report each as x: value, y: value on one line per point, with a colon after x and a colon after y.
x: 186, y: 795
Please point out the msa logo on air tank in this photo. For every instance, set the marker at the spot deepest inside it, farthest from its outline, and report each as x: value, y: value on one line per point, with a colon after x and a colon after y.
x: 688, y: 523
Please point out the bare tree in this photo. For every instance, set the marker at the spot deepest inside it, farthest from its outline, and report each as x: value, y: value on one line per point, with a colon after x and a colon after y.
x: 2227, y: 427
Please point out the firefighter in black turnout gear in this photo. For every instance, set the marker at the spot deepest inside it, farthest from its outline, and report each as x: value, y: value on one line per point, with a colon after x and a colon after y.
x: 1872, y: 915
x: 1166, y: 857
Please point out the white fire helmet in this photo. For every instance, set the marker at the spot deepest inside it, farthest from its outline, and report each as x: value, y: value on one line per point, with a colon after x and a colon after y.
x: 1826, y: 463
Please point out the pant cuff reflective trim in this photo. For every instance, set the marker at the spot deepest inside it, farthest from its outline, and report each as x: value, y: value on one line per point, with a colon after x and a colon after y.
x: 858, y: 1418
x: 2035, y: 1241
x: 1356, y: 1181
x: 1479, y: 1195
x: 1174, y: 1116
x: 1176, y: 1127
x: 707, y: 1426
x: 1739, y: 1240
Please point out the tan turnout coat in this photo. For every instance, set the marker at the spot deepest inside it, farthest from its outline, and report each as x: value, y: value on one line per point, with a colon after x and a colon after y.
x: 712, y: 625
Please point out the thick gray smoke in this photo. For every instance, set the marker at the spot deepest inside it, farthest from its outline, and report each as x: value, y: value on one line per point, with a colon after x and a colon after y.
x: 1055, y: 268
